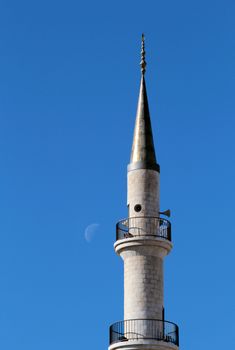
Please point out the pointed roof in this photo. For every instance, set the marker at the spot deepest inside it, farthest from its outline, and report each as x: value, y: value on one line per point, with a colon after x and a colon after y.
x: 143, y: 152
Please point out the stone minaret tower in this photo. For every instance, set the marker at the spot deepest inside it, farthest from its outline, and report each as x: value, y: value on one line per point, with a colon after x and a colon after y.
x: 143, y: 240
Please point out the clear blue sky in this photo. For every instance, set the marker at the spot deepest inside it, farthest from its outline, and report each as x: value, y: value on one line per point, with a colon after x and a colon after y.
x: 69, y: 81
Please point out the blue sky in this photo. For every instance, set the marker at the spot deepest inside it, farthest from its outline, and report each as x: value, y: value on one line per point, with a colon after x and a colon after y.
x: 69, y: 81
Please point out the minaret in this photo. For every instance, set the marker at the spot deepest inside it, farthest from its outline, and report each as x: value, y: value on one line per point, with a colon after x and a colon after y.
x: 143, y: 240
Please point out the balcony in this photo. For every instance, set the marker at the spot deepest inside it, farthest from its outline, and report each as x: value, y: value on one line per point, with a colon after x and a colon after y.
x: 140, y: 329
x: 143, y: 226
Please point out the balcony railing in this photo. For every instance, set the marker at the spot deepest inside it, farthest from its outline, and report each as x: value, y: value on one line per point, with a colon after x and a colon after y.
x: 143, y: 226
x: 141, y: 329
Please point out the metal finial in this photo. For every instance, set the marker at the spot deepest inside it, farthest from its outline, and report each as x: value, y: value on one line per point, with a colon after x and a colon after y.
x: 143, y: 62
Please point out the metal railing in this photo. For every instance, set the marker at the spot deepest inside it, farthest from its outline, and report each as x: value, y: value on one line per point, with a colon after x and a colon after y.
x: 143, y: 226
x: 139, y: 329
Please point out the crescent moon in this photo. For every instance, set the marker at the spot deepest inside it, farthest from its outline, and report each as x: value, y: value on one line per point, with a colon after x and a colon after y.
x: 90, y: 232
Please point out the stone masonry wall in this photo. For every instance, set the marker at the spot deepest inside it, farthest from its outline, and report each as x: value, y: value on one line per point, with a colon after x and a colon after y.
x: 143, y: 189
x: 143, y: 287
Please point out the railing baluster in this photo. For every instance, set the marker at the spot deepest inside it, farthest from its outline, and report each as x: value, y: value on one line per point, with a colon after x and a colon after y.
x: 144, y: 329
x: 143, y: 226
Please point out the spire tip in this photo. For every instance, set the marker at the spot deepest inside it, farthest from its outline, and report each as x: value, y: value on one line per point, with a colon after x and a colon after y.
x: 143, y: 62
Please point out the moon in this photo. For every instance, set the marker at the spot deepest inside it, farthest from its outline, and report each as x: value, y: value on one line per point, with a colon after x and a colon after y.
x: 90, y: 232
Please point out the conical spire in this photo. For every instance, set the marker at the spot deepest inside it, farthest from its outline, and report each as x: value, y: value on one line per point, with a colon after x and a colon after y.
x: 143, y: 153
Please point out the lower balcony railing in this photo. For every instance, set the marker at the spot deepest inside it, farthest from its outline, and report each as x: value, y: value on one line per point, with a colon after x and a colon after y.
x: 143, y: 226
x: 140, y: 329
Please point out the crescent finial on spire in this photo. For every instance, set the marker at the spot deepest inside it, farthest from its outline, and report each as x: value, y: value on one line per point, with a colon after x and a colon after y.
x: 143, y: 62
